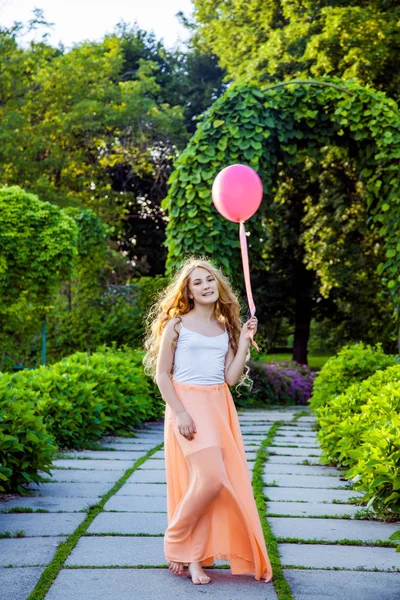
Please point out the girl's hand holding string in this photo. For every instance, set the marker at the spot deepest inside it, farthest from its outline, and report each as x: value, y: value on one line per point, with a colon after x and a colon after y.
x: 249, y: 329
x: 186, y: 425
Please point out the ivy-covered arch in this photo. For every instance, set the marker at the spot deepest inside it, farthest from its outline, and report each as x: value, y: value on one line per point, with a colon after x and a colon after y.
x: 284, y: 124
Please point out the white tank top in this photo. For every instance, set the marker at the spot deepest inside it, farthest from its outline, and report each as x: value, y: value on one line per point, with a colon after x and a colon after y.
x: 200, y: 359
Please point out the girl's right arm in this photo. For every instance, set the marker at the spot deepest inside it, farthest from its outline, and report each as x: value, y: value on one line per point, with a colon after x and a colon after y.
x: 185, y: 422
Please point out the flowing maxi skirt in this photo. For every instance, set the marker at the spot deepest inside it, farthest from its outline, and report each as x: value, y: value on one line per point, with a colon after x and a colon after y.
x: 210, y: 503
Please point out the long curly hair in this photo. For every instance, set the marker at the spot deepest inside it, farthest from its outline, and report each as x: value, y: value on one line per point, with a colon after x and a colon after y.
x: 174, y: 301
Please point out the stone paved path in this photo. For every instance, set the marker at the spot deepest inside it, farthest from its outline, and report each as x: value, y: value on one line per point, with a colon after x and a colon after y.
x: 121, y: 553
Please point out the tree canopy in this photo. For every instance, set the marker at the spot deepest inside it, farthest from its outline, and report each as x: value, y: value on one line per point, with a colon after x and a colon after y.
x: 98, y: 127
x: 263, y: 41
x: 37, y: 250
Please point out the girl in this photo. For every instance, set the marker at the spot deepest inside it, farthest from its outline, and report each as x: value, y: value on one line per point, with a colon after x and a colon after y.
x: 196, y: 348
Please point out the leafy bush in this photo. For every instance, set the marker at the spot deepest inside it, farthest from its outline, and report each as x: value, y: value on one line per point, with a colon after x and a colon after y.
x: 352, y: 363
x: 285, y: 382
x: 25, y: 445
x: 85, y: 395
x: 360, y: 430
x: 69, y: 404
x: 128, y: 396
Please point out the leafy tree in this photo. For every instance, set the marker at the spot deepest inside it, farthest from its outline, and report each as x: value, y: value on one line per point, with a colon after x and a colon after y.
x: 262, y: 42
x: 37, y: 251
x: 99, y: 127
x: 190, y: 79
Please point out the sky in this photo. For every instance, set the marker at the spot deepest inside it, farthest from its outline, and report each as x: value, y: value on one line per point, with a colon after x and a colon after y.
x: 78, y: 20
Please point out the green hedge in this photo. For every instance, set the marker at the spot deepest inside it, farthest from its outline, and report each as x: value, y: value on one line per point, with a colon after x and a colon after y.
x: 25, y: 444
x: 69, y: 404
x: 359, y: 430
x: 352, y: 363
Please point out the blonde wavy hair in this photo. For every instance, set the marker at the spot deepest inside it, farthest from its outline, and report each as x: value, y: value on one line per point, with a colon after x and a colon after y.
x: 174, y: 301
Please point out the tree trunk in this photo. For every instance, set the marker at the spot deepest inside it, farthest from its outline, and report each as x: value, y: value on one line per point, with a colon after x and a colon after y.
x: 303, y: 312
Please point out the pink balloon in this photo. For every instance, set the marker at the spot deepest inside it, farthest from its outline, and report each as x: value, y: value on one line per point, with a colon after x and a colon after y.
x: 237, y: 192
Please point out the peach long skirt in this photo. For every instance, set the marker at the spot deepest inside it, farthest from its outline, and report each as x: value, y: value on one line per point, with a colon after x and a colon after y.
x: 210, y: 503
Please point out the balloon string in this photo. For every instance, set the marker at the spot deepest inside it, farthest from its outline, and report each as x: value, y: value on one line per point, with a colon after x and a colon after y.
x: 245, y: 262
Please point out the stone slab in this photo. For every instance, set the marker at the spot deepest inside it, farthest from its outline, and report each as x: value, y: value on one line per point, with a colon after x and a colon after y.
x: 142, y: 489
x: 131, y: 446
x: 112, y: 550
x: 152, y: 584
x: 129, y: 523
x: 252, y: 429
x: 41, y: 524
x: 65, y: 490
x: 320, y: 556
x: 308, y: 443
x: 136, y: 504
x: 21, y: 552
x: 124, y: 455
x: 293, y: 460
x: 250, y: 455
x: 296, y: 436
x: 152, y: 464
x: 147, y: 476
x: 158, y: 454
x: 286, y: 450
x: 296, y: 469
x: 342, y: 585
x: 299, y: 444
x: 332, y: 530
x: 142, y: 441
x: 308, y: 495
x: 101, y: 465
x: 310, y: 509
x: 83, y: 476
x: 305, y: 481
x: 18, y: 583
x: 51, y: 504
x: 297, y: 428
x: 141, y: 433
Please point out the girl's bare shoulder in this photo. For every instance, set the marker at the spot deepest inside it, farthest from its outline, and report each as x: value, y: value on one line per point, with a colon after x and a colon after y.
x: 173, y: 326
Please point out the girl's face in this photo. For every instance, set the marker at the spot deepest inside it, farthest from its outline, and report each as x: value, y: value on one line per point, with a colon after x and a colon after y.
x: 203, y: 287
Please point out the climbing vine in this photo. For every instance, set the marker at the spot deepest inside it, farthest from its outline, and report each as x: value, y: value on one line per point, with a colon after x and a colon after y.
x: 281, y: 127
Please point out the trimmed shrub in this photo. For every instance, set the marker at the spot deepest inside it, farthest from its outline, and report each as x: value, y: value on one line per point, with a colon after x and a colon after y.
x: 85, y: 396
x: 26, y: 447
x: 360, y: 430
x: 69, y: 404
x: 352, y: 363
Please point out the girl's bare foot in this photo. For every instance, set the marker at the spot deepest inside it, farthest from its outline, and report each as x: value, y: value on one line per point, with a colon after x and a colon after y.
x: 197, y: 573
x: 175, y: 567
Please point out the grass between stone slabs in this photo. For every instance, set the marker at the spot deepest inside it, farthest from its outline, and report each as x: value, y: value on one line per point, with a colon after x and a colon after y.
x: 343, y: 542
x: 22, y: 509
x: 271, y: 514
x: 65, y: 548
x: 360, y: 568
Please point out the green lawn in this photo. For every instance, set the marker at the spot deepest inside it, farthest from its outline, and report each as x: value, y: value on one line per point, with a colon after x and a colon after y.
x: 315, y: 362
